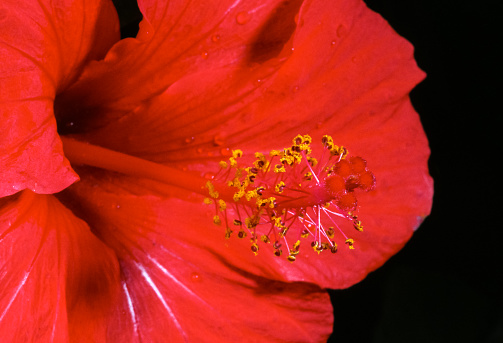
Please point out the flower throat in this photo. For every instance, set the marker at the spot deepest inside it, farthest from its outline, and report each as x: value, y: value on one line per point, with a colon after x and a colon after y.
x: 277, y: 199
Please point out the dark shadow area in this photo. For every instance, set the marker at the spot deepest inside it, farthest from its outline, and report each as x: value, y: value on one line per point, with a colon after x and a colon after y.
x: 129, y: 17
x: 276, y: 32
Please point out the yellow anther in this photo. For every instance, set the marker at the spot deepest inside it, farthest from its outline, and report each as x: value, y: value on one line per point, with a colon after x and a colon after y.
x: 275, y: 153
x: 238, y: 195
x: 265, y: 239
x: 222, y: 205
x: 308, y: 176
x: 211, y: 190
x: 251, y: 194
x: 350, y: 242
x: 358, y: 225
x: 312, y: 161
x: 241, y: 234
x: 237, y: 153
x: 291, y: 158
x: 291, y: 258
x: 304, y: 234
x: 333, y: 249
x: 283, y: 232
x: 233, y: 162
x: 237, y: 222
x: 299, y: 139
x: 252, y: 222
x: 279, y: 168
x: 327, y: 141
x: 296, y: 246
x: 208, y: 201
x: 228, y: 233
x: 217, y: 220
x: 260, y: 156
x: 254, y: 248
x: 279, y: 187
x: 330, y: 232
x: 223, y: 164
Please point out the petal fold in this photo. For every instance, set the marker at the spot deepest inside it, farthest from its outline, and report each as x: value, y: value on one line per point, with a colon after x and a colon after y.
x: 44, y: 46
x: 54, y: 274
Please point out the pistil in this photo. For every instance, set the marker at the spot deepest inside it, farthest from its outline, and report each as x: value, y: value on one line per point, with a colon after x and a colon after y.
x: 82, y: 153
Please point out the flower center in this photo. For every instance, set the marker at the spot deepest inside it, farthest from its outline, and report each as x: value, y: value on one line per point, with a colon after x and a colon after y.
x: 290, y: 195
x: 280, y: 198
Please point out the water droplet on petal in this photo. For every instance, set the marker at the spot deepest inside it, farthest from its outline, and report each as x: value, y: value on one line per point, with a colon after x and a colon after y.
x: 333, y: 43
x: 204, y: 55
x: 225, y: 152
x: 195, y: 277
x: 189, y: 140
x: 218, y: 140
x: 215, y: 38
x: 242, y: 17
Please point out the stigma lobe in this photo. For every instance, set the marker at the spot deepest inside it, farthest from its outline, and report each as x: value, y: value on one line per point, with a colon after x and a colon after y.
x: 290, y: 195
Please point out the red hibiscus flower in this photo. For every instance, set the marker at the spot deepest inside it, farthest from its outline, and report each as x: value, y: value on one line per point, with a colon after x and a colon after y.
x: 117, y: 245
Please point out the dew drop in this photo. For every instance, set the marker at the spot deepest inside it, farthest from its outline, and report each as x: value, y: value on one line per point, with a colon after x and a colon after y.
x: 215, y: 38
x: 295, y: 89
x: 195, y: 277
x: 208, y: 176
x: 242, y: 17
x: 218, y: 140
x: 204, y: 55
x: 333, y: 43
x: 189, y: 140
x: 225, y: 152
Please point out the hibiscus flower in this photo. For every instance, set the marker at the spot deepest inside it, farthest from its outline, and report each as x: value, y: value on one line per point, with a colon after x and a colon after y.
x: 105, y: 145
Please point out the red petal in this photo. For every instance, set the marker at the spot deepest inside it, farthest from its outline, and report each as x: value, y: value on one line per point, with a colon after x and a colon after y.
x: 180, y: 39
x: 179, y: 282
x: 43, y: 48
x: 360, y: 83
x: 53, y: 273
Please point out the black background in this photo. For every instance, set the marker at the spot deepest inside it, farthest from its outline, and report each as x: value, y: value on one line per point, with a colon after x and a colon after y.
x: 445, y: 285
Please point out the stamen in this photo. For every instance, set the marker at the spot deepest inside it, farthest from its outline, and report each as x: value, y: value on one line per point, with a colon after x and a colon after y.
x: 289, y: 199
